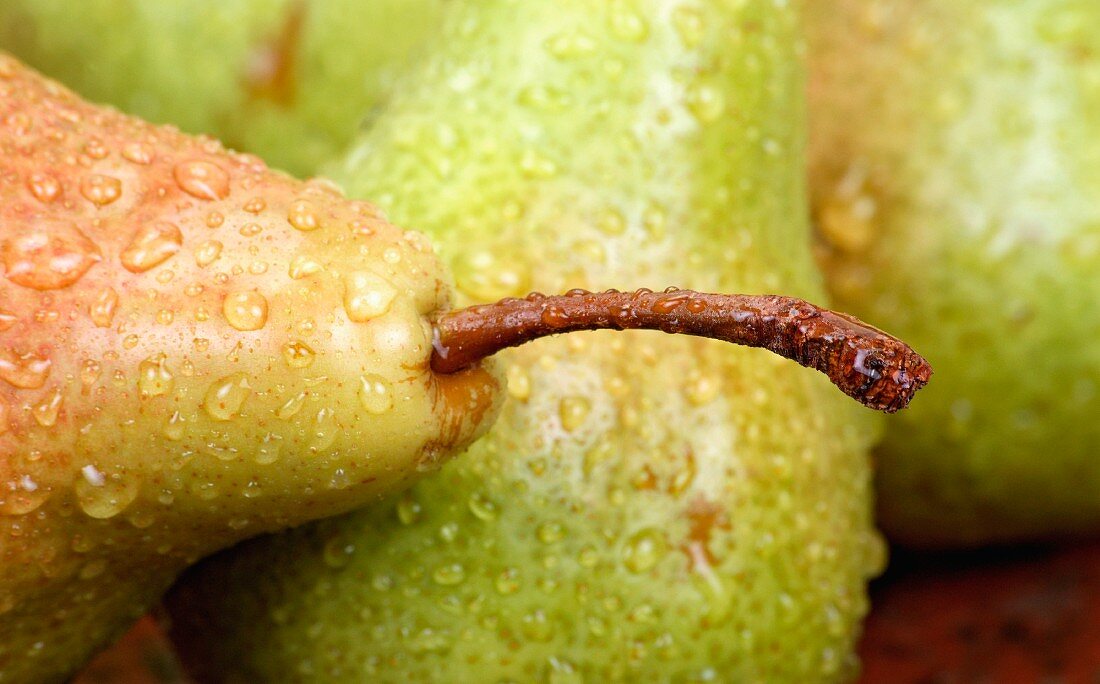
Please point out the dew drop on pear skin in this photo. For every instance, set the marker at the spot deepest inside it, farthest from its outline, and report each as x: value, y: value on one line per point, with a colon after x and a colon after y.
x: 101, y: 190
x: 151, y: 245
x: 154, y: 378
x: 25, y: 371
x: 103, y: 307
x: 48, y: 408
x: 298, y: 355
x: 48, y: 255
x: 202, y: 180
x: 245, y: 310
x: 303, y: 216
x: 375, y: 394
x: 367, y: 295
x: 225, y: 397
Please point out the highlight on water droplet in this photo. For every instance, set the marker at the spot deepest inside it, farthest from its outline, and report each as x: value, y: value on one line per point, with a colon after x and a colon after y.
x: 367, y: 295
x: 202, y: 179
x: 302, y: 266
x: 303, y: 215
x: 245, y: 310
x: 100, y: 190
x: 208, y: 252
x: 25, y: 371
x: 151, y: 245
x: 298, y: 354
x: 643, y: 550
x: 44, y: 187
x: 48, y: 255
x: 154, y: 378
x: 375, y: 393
x: 226, y: 396
x: 102, y: 495
x: 46, y: 411
x: 102, y: 308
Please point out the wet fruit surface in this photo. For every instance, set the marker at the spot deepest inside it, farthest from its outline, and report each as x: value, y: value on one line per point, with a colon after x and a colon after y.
x: 188, y: 342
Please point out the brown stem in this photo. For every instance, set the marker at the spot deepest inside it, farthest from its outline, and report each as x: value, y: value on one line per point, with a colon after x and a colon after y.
x: 868, y: 365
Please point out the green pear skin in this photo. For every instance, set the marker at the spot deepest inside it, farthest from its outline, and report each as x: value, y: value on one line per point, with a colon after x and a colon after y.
x: 288, y: 80
x: 647, y: 508
x: 955, y: 172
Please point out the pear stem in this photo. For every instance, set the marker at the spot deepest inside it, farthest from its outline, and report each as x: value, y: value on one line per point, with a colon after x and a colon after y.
x: 876, y: 369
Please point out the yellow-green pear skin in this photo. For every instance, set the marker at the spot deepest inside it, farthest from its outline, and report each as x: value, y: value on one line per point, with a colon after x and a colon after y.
x: 288, y: 80
x: 648, y: 508
x: 193, y: 350
x: 955, y: 171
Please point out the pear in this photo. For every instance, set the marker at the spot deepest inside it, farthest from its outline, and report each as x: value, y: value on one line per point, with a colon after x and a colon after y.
x: 194, y: 349
x: 285, y: 79
x: 645, y: 509
x: 956, y: 179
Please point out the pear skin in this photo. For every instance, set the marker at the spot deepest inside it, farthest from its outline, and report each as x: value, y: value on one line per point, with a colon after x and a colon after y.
x: 955, y: 170
x: 193, y: 350
x: 647, y: 508
x: 288, y: 80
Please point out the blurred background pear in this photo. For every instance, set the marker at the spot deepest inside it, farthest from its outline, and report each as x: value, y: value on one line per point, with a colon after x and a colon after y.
x: 955, y: 172
x: 288, y: 80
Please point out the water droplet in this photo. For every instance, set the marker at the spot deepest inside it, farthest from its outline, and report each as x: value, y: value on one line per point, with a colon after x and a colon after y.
x: 7, y: 320
x: 485, y: 277
x: 138, y: 153
x: 226, y: 396
x: 298, y: 354
x: 48, y: 255
x: 550, y: 532
x: 375, y: 394
x: 507, y: 582
x: 570, y: 45
x: 154, y: 378
x: 536, y: 627
x: 303, y: 215
x: 482, y: 507
x: 21, y: 496
x: 449, y: 575
x: 246, y: 310
x: 573, y: 412
x: 367, y: 295
x: 208, y: 252
x: 705, y: 102
x: 628, y: 24
x: 268, y: 451
x: 689, y: 26
x: 643, y: 550
x: 302, y: 266
x: 93, y: 569
x: 25, y: 371
x: 44, y: 187
x: 291, y: 407
x: 337, y: 553
x: 175, y: 427
x: 408, y: 510
x: 151, y: 245
x: 102, y: 496
x: 47, y: 410
x: 324, y: 429
x: 101, y: 190
x: 202, y: 179
x: 103, y: 307
x: 255, y: 205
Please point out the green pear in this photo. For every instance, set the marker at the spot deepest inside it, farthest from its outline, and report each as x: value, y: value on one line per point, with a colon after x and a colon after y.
x: 955, y: 172
x: 643, y: 510
x: 286, y: 79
